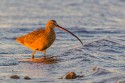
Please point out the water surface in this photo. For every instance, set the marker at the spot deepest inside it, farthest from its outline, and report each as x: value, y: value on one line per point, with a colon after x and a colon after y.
x: 98, y: 23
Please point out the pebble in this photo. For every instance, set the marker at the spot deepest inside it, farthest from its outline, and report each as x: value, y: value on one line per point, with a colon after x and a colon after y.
x: 15, y: 77
x: 27, y: 78
x: 70, y: 75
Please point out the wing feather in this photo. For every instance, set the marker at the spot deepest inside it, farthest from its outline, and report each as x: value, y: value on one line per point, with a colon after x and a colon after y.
x: 30, y: 37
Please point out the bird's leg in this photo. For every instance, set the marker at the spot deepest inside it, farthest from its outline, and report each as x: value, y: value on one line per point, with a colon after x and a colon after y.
x: 33, y: 54
x: 44, y: 53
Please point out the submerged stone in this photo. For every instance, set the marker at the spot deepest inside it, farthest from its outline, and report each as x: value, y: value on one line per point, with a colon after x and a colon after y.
x: 15, y: 77
x: 27, y: 78
x: 70, y: 75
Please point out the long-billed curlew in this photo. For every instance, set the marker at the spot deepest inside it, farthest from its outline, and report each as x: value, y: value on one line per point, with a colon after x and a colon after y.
x: 41, y: 39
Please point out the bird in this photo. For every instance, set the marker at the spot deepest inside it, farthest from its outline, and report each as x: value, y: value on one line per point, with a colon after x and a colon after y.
x: 41, y: 39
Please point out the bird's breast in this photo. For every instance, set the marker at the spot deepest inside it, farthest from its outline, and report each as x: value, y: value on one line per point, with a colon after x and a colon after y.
x: 47, y: 40
x: 50, y: 38
x: 43, y: 41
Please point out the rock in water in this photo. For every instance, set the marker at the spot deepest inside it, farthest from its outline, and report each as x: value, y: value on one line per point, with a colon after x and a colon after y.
x: 27, y: 78
x: 70, y: 75
x: 15, y: 77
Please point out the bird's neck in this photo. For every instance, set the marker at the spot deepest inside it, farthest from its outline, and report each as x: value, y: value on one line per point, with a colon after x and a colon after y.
x: 49, y: 29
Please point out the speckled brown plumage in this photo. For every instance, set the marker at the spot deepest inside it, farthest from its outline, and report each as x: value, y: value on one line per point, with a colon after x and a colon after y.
x: 41, y: 39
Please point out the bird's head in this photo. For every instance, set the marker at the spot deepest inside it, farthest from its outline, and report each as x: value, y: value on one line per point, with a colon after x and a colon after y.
x: 53, y: 24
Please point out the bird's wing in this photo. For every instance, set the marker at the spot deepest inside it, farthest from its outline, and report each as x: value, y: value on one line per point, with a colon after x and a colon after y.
x: 30, y: 37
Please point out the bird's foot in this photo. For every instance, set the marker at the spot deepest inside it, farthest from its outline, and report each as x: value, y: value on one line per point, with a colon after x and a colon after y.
x: 32, y: 57
x: 45, y: 57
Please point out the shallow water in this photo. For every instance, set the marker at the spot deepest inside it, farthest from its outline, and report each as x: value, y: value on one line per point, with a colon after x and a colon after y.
x: 98, y: 23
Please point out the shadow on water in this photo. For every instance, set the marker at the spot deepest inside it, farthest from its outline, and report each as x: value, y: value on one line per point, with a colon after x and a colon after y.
x: 47, y: 60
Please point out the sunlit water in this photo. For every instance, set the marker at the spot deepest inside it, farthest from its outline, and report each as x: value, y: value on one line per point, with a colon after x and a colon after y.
x: 98, y: 23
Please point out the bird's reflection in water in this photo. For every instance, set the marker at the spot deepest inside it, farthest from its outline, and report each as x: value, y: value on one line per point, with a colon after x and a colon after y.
x: 44, y: 60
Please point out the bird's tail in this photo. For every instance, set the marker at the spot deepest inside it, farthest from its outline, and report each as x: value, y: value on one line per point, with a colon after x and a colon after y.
x: 20, y: 40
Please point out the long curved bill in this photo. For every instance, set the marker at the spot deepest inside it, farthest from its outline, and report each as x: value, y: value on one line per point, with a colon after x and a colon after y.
x: 68, y: 32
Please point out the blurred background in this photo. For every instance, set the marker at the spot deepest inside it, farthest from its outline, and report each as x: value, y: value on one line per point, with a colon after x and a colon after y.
x: 98, y: 23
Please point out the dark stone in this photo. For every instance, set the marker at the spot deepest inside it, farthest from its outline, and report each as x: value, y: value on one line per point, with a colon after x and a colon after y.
x: 27, y: 78
x: 70, y: 75
x: 15, y: 77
